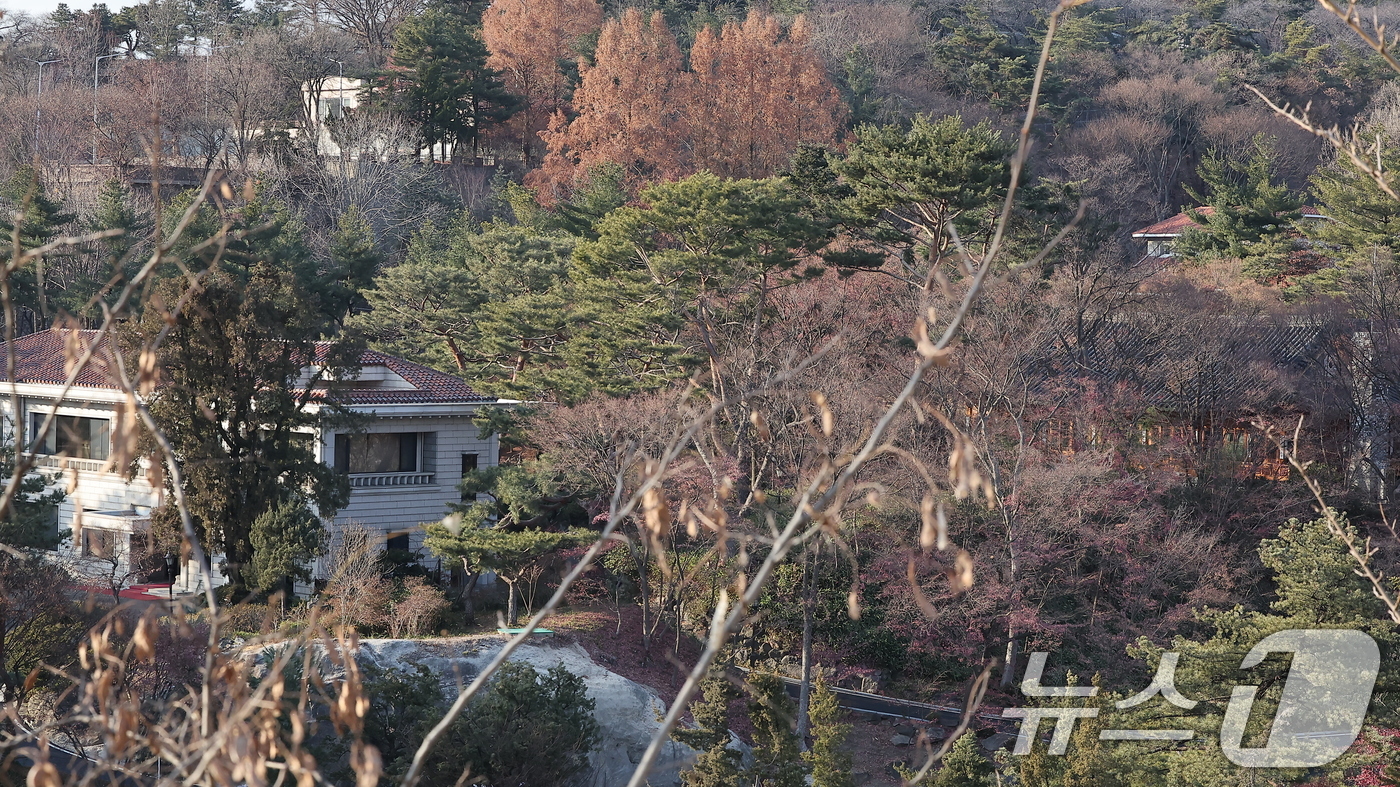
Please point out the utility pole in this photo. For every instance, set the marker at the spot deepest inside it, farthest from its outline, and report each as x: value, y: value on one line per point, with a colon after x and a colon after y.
x: 38, y: 102
x: 209, y: 51
x: 96, y: 63
x: 341, y: 83
x: 340, y: 86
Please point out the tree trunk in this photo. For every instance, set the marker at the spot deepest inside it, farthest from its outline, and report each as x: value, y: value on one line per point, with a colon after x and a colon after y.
x: 511, y: 611
x: 804, y: 697
x: 644, y: 590
x: 1013, y: 654
x: 6, y: 685
x: 469, y: 587
x: 1008, y: 673
x: 458, y: 357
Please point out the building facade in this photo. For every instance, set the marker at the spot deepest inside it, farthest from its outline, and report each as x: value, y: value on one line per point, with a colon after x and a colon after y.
x: 403, y: 464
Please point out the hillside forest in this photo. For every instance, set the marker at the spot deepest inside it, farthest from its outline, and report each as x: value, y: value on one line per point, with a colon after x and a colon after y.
x: 815, y: 333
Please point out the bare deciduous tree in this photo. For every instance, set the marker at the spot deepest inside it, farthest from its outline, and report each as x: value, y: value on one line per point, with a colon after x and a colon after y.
x: 371, y: 21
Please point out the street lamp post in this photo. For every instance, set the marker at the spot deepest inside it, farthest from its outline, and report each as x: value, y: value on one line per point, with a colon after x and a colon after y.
x: 96, y: 63
x: 341, y: 83
x: 340, y: 86
x: 38, y: 103
x: 209, y: 50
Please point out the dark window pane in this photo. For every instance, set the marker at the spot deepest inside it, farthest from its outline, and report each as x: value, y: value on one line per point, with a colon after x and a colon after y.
x: 374, y: 453
x: 101, y: 543
x: 396, y: 452
x: 342, y: 453
x: 468, y: 465
x: 70, y: 435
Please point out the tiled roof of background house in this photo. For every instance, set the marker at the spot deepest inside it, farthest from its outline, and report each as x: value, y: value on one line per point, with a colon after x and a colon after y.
x: 1176, y: 225
x: 1227, y: 366
x: 1172, y: 227
x: 430, y: 386
x: 40, y: 358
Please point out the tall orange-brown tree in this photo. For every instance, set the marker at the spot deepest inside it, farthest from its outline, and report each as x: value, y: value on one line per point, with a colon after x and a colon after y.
x: 530, y: 41
x: 755, y: 92
x: 758, y: 93
x: 630, y: 107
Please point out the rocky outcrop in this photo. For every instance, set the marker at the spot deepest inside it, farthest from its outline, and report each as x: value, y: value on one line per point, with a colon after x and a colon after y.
x: 628, y: 713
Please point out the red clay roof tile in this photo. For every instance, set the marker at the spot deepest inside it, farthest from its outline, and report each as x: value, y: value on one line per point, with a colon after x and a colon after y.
x: 40, y: 358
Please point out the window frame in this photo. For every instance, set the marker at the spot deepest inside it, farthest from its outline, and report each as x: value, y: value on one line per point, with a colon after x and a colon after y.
x: 410, y: 447
x: 51, y: 444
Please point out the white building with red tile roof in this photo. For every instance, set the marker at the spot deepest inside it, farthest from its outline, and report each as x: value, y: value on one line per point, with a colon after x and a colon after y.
x: 1162, y: 236
x: 403, y: 466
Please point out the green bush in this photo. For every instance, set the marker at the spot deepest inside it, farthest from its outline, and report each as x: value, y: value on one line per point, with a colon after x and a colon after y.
x: 529, y: 728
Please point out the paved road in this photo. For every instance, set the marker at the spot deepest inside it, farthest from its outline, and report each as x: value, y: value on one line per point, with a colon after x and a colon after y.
x: 878, y: 705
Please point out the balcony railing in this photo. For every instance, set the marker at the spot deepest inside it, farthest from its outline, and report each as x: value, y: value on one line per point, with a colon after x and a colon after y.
x: 82, y: 465
x: 367, y: 480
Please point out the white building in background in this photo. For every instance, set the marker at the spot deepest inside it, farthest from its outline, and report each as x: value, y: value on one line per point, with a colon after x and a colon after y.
x: 403, y: 468
x: 337, y: 95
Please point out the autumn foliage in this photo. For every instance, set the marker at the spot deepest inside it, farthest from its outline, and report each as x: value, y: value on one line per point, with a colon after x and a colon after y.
x: 757, y: 93
x: 530, y: 40
x: 754, y: 93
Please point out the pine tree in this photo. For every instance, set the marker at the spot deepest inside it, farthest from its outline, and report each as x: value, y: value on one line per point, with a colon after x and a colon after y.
x: 114, y: 212
x: 41, y: 220
x: 777, y: 753
x: 717, y: 765
x: 595, y: 194
x: 535, y: 44
x: 354, y: 259
x: 29, y: 519
x: 234, y: 361
x: 449, y: 90
x: 1085, y: 765
x: 909, y: 185
x: 508, y: 553
x: 114, y: 255
x: 489, y: 301
x: 1362, y: 215
x: 1315, y: 577
x: 965, y: 766
x: 830, y: 764
x: 980, y: 60
x: 1317, y: 588
x: 425, y: 307
x: 701, y: 249
x: 284, y: 539
x: 1037, y: 769
x: 530, y: 728
x: 1246, y: 205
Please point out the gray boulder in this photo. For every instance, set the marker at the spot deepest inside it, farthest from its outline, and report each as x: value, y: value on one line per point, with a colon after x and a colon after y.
x: 627, y: 712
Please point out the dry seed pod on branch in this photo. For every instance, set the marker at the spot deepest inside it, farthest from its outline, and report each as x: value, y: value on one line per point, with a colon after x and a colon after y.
x: 960, y: 575
x: 963, y: 474
x: 828, y: 420
x: 925, y: 345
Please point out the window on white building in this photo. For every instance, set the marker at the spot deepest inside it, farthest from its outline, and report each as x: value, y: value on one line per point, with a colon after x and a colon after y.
x: 102, y: 543
x: 394, y: 452
x: 73, y: 436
